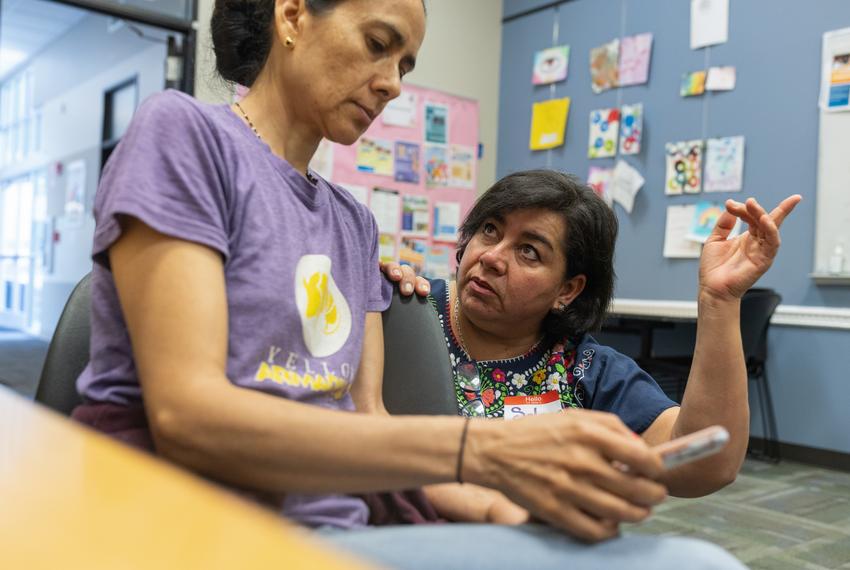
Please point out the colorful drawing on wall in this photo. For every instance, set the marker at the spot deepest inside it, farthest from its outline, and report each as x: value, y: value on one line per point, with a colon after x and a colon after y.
x: 604, y: 66
x: 635, y: 52
x: 548, y: 122
x: 550, y: 65
x: 631, y: 128
x: 604, y: 127
x: 462, y: 166
x: 436, y: 165
x: 446, y: 221
x: 406, y: 162
x: 684, y: 167
x: 705, y: 217
x: 436, y: 123
x: 599, y: 179
x: 692, y: 84
x: 375, y: 156
x: 724, y: 164
x: 415, y: 216
x: 412, y: 253
x: 438, y: 262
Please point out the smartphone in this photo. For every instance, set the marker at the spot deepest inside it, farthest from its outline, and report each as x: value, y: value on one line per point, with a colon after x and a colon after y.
x: 693, y: 446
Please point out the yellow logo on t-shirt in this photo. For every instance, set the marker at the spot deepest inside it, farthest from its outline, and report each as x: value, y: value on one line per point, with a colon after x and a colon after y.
x: 325, y: 315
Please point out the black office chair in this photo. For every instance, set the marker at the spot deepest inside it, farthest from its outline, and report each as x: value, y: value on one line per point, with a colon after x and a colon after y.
x: 417, y: 372
x: 68, y: 352
x: 757, y: 308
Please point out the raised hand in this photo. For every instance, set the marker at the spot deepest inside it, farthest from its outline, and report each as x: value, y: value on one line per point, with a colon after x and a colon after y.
x: 407, y: 278
x: 728, y: 267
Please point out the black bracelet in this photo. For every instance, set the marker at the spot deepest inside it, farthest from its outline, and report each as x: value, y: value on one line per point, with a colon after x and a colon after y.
x: 462, y: 448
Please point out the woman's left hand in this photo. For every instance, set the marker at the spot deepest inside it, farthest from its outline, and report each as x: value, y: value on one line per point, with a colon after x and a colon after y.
x: 728, y: 267
x: 407, y: 278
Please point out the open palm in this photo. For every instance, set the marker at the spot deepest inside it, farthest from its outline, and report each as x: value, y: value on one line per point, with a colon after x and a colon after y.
x: 728, y: 267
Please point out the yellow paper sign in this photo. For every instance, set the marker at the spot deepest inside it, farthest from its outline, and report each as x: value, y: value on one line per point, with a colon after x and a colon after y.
x: 548, y: 121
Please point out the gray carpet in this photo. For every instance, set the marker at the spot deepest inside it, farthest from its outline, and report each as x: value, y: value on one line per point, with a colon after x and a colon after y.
x: 21, y: 359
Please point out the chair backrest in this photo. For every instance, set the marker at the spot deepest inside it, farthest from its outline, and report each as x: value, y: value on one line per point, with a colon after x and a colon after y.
x: 757, y: 307
x: 417, y: 370
x: 68, y: 352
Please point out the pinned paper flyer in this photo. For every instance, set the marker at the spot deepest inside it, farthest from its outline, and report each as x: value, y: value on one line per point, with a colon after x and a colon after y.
x: 684, y: 167
x: 704, y: 220
x: 693, y: 83
x: 360, y: 193
x: 375, y: 156
x: 548, y: 122
x: 406, y: 162
x: 401, y: 111
x: 604, y: 128
x: 385, y: 205
x: 386, y: 247
x: 605, y: 66
x: 625, y: 183
x: 436, y: 123
x: 635, y: 52
x: 436, y: 165
x: 720, y: 79
x: 631, y: 128
x: 446, y: 221
x: 415, y: 216
x: 550, y: 65
x: 724, y: 164
x: 678, y: 226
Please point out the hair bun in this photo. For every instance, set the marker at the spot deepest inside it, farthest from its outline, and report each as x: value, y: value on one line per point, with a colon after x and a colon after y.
x: 242, y: 38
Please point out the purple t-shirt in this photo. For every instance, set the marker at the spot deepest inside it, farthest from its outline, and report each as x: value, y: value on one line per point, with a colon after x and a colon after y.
x: 300, y: 264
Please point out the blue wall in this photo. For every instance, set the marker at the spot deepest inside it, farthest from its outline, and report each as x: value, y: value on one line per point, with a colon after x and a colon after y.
x: 775, y: 46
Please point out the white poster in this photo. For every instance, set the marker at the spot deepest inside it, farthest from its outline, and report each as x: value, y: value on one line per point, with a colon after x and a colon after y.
x: 323, y: 160
x: 709, y: 22
x: 676, y: 243
x: 385, y: 204
x: 401, y: 111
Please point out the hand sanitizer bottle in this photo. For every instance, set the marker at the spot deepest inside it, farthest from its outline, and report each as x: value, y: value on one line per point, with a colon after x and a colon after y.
x: 836, y: 260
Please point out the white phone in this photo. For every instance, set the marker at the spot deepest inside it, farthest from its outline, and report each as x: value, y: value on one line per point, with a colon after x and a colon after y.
x: 693, y: 446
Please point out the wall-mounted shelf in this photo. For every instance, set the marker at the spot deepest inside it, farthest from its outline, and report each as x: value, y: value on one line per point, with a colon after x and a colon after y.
x: 830, y: 279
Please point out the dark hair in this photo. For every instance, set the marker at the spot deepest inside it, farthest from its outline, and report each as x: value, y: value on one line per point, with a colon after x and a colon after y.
x: 242, y: 35
x: 589, y: 239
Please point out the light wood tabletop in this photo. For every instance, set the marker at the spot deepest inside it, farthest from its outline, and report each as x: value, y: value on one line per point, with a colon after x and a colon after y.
x: 72, y: 498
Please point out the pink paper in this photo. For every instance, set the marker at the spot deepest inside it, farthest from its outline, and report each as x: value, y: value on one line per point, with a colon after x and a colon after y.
x: 635, y: 52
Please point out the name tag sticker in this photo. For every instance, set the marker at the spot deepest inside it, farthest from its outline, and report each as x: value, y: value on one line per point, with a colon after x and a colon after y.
x: 519, y: 406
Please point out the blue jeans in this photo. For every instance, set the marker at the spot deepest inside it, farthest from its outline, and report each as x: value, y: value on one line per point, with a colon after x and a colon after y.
x: 494, y: 547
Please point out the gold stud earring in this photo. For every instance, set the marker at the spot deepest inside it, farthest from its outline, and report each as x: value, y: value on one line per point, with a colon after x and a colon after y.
x: 289, y: 42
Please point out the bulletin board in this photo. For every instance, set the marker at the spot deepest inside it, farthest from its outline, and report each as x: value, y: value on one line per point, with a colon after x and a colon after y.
x: 777, y: 54
x: 448, y: 192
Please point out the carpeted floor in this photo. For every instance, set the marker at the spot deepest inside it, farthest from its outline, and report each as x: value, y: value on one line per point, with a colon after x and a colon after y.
x: 774, y: 517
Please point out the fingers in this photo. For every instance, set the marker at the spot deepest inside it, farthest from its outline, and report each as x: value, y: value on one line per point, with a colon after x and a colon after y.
x: 784, y: 208
x: 406, y: 278
x: 576, y: 523
x: 422, y: 286
x: 724, y: 226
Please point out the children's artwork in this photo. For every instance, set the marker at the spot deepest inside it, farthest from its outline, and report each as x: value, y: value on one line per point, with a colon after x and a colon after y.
x: 599, y: 179
x: 676, y: 244
x: 406, y: 162
x: 436, y: 165
x: 705, y: 217
x: 415, y: 216
x: 401, y: 111
x: 724, y: 164
x: 635, y: 53
x: 375, y: 156
x: 604, y: 127
x: 720, y: 79
x: 385, y: 205
x: 604, y: 66
x: 625, y: 183
x: 436, y: 123
x: 548, y: 122
x: 386, y: 247
x: 550, y: 65
x: 692, y: 84
x: 631, y: 128
x: 709, y: 22
x: 462, y: 166
x: 446, y: 221
x: 684, y: 167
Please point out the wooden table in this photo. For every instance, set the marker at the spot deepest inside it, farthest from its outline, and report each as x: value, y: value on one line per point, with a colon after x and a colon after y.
x: 72, y: 498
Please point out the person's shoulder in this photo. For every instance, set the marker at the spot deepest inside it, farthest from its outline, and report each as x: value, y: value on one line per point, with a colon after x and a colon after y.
x: 597, y: 358
x: 174, y: 110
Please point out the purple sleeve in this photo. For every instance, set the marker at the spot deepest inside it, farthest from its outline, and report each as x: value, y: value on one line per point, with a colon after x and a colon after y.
x: 379, y: 288
x: 167, y: 173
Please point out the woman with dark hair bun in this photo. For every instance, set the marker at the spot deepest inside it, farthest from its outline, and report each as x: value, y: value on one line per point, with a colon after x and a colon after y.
x: 536, y: 274
x: 236, y: 316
